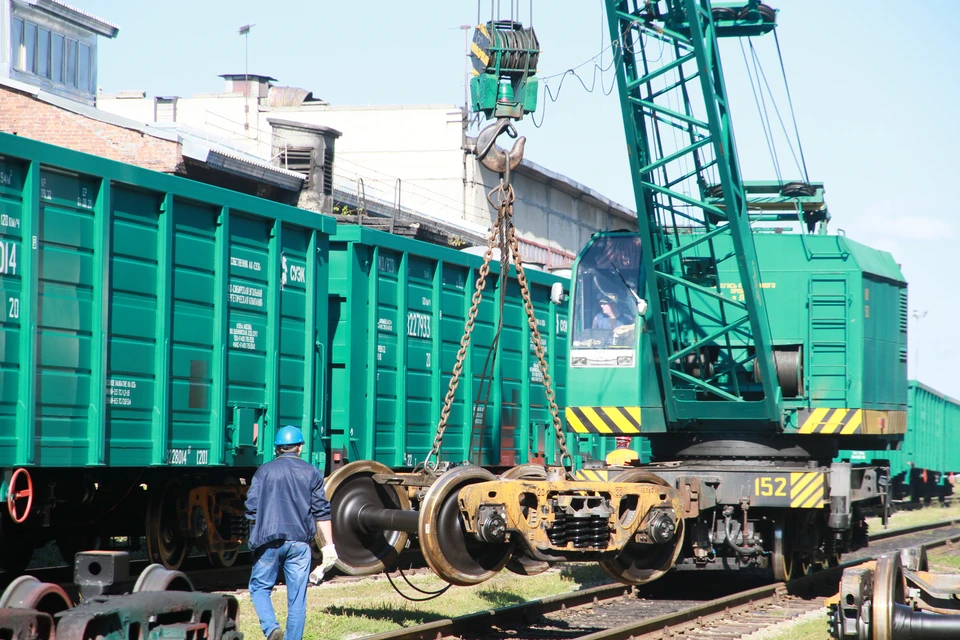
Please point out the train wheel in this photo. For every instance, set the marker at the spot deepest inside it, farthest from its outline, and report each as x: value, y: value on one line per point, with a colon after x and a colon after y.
x: 156, y: 578
x: 165, y: 543
x: 26, y: 592
x: 889, y: 589
x: 782, y: 558
x: 222, y: 559
x: 521, y: 564
x: 832, y: 560
x: 454, y: 554
x: 350, y: 489
x: 642, y: 563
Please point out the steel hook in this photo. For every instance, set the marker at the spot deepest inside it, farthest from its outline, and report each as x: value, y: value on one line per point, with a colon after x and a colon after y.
x: 493, y: 157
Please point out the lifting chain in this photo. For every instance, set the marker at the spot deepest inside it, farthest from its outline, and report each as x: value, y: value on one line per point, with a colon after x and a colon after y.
x: 502, y: 236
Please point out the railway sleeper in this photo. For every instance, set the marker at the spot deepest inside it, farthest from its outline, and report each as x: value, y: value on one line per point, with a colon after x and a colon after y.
x: 471, y: 524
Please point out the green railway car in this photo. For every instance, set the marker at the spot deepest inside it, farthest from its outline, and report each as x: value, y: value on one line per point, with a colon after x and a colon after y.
x: 921, y: 468
x: 156, y: 331
x: 397, y: 314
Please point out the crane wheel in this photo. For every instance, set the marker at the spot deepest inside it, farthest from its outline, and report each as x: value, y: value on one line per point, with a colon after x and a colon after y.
x: 454, y: 554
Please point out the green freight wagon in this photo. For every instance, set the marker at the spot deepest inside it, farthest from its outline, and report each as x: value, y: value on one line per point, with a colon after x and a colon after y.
x: 397, y: 314
x: 156, y: 331
x: 921, y: 468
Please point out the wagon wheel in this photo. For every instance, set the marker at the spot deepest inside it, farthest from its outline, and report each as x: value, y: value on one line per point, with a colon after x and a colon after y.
x: 782, y: 558
x: 223, y: 559
x: 454, y: 554
x: 165, y: 543
x: 26, y: 592
x: 349, y: 489
x: 521, y: 564
x: 643, y: 563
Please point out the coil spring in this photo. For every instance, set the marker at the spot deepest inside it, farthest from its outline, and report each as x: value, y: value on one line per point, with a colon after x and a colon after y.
x: 234, y: 527
x: 583, y: 532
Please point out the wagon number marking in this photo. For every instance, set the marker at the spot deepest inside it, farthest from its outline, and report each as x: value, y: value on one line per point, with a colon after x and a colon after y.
x: 418, y: 325
x: 764, y: 486
x: 8, y: 258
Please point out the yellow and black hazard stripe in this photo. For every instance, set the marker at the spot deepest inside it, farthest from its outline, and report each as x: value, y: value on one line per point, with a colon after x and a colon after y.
x: 807, y: 490
x: 610, y: 420
x: 843, y: 422
x: 593, y: 475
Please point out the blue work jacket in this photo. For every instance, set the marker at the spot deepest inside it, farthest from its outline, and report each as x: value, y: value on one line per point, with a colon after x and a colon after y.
x: 285, y: 499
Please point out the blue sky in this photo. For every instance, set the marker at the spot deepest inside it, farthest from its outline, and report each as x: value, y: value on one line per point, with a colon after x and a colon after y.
x: 874, y: 87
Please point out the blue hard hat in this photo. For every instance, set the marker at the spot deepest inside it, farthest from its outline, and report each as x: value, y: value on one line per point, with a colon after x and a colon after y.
x: 287, y: 436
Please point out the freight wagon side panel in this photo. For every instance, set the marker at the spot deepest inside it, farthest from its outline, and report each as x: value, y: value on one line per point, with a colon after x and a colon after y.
x: 391, y: 375
x: 168, y: 321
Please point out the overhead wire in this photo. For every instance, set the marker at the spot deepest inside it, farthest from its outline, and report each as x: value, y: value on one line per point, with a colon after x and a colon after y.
x: 793, y: 113
x: 776, y: 109
x: 764, y: 117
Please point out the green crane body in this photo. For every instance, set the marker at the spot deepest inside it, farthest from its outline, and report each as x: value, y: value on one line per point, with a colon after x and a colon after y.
x: 679, y: 330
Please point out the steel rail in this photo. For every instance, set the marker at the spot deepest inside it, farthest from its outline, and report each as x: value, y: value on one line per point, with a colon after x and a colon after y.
x: 453, y: 627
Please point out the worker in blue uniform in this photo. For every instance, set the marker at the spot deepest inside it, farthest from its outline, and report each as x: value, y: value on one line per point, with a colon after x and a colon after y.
x: 287, y: 506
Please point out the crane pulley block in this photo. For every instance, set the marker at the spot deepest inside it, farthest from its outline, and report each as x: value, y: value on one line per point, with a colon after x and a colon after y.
x: 504, y: 56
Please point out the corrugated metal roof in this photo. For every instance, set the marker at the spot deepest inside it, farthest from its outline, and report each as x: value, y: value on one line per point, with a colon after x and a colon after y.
x: 81, y: 12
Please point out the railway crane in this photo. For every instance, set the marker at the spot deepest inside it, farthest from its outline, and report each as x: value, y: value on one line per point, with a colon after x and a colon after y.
x: 744, y: 356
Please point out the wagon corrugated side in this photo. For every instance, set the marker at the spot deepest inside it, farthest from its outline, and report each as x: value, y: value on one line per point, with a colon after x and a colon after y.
x: 156, y: 331
x: 397, y: 316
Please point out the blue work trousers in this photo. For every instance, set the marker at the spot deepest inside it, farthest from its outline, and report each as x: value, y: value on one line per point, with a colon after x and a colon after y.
x: 294, y: 557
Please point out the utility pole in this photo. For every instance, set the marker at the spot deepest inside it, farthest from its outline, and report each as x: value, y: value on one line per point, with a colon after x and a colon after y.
x: 917, y: 315
x: 245, y: 32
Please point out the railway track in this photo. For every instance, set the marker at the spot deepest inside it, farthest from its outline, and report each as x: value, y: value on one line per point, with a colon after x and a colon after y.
x: 715, y: 609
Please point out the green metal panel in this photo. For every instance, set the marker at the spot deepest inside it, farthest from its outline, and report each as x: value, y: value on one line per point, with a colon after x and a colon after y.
x: 164, y: 321
x: 397, y: 313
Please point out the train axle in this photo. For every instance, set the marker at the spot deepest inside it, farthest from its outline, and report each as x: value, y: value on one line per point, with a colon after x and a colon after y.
x: 471, y: 524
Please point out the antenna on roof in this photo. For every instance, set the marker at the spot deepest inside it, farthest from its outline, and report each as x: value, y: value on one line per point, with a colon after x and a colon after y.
x: 245, y: 32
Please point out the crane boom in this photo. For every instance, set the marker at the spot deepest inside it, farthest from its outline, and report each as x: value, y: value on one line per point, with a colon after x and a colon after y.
x: 679, y: 134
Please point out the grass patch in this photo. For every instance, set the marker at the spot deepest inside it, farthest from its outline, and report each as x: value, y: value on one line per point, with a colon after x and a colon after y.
x: 814, y: 628
x: 927, y: 515
x: 944, y: 560
x: 355, y: 609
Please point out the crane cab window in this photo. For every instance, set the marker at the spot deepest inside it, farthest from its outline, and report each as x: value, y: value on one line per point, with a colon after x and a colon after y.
x: 608, y: 284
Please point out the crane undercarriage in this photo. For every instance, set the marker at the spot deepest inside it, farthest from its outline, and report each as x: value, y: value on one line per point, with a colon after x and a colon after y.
x: 636, y: 522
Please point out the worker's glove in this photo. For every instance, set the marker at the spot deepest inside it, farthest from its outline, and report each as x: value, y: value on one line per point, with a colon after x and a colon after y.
x: 329, y: 559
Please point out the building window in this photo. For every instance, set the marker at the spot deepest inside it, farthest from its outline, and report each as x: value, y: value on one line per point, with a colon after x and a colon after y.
x: 299, y: 159
x: 30, y: 48
x: 86, y: 61
x: 43, y: 53
x: 71, y: 77
x: 52, y: 55
x: 328, y: 171
x: 56, y: 59
x: 17, y: 43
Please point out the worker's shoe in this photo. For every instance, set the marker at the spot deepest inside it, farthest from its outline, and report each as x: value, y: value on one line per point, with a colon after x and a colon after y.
x: 276, y: 634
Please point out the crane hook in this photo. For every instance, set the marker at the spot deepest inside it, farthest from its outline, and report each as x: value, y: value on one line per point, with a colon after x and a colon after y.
x: 493, y: 157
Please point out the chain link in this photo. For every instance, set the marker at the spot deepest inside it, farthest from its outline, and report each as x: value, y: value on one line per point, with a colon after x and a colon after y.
x: 502, y: 197
x: 465, y: 340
